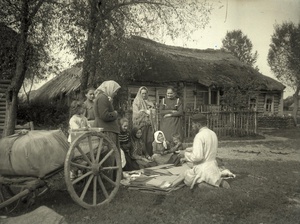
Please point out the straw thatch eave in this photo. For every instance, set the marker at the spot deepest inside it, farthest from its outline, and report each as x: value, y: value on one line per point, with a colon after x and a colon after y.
x: 65, y: 83
x: 207, y: 67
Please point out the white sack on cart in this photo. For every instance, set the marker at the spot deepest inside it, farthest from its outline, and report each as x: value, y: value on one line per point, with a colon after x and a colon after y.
x: 35, y: 153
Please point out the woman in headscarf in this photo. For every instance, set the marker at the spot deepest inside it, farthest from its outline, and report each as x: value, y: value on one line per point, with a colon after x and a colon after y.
x: 105, y: 115
x: 143, y: 117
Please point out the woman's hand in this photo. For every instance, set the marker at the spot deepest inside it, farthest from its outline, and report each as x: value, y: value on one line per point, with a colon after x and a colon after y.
x: 168, y: 115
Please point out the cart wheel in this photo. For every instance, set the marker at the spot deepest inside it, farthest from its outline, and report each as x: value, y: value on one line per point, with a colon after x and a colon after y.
x: 93, y: 169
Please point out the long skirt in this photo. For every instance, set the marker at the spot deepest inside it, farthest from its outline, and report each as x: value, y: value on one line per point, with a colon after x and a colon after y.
x: 148, y: 137
x: 110, y: 161
x: 170, y: 126
x: 131, y: 164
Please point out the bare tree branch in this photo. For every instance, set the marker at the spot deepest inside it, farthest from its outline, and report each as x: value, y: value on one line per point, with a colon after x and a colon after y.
x: 133, y: 3
x: 35, y: 10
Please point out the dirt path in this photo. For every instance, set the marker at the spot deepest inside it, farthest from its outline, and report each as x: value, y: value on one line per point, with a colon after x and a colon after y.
x: 257, y: 150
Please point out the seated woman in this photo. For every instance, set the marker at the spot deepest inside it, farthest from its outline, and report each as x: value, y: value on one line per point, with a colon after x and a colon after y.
x: 138, y: 152
x: 161, y: 149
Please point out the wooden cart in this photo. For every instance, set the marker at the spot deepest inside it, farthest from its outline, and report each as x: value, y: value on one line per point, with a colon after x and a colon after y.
x: 92, y: 173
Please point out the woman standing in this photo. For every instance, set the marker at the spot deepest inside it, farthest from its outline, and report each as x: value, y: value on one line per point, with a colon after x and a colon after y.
x: 105, y: 115
x: 171, y: 113
x: 143, y: 117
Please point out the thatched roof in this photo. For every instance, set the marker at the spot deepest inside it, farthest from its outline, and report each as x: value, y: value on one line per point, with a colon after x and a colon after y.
x: 171, y: 64
x: 65, y: 83
x: 207, y: 67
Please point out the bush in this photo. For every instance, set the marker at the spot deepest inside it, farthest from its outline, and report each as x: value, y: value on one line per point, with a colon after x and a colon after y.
x: 50, y: 115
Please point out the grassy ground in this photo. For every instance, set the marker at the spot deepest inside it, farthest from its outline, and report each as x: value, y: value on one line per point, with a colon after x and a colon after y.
x: 264, y: 191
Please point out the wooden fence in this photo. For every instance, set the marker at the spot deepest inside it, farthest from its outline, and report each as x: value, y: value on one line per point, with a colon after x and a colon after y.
x: 228, y: 123
x: 224, y: 123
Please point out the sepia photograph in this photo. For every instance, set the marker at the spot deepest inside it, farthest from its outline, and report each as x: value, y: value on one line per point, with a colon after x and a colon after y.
x: 149, y: 111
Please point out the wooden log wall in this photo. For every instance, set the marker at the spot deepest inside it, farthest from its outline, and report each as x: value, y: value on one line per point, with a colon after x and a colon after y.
x: 3, y: 87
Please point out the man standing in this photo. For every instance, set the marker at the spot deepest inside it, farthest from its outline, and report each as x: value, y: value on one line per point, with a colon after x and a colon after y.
x: 203, y: 156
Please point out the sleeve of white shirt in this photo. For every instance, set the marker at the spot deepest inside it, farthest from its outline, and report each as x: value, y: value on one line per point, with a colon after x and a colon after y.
x: 74, y: 123
x: 198, y: 152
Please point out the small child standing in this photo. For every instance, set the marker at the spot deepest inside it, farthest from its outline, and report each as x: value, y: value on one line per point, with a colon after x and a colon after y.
x: 126, y: 146
x: 161, y: 152
x: 138, y: 152
x: 89, y: 105
x: 77, y: 120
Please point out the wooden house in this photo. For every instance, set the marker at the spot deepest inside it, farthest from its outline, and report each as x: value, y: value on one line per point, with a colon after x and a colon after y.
x: 201, y: 77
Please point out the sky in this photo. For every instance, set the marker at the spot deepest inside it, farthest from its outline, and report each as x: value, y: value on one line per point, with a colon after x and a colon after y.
x: 256, y: 19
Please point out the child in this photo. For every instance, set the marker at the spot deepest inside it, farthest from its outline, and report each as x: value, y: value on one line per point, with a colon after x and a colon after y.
x: 89, y: 105
x: 125, y: 145
x: 176, y: 148
x: 138, y: 149
x: 161, y: 152
x: 77, y: 120
x: 176, y: 145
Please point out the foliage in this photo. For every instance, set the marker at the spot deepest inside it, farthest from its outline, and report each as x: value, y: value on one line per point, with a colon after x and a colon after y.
x: 50, y: 115
x: 287, y: 102
x: 238, y: 97
x: 240, y: 46
x: 94, y: 26
x: 284, y: 57
x: 8, y: 48
x: 31, y: 20
x: 39, y: 63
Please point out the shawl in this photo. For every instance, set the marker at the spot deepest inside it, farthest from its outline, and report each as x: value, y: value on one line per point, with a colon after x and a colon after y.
x: 139, y: 105
x: 156, y: 140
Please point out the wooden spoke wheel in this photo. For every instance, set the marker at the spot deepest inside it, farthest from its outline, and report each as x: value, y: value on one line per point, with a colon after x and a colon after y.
x: 93, y: 169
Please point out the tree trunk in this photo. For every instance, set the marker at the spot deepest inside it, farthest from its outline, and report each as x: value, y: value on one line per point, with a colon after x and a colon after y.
x: 11, y: 113
x: 95, y: 51
x: 17, y: 80
x: 296, y: 104
x: 89, y: 47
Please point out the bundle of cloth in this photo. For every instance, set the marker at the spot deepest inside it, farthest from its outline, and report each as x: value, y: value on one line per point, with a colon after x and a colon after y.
x: 32, y: 153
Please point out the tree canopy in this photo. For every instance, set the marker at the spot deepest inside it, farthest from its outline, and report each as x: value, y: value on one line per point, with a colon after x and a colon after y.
x: 240, y: 46
x: 284, y: 57
x: 94, y: 26
x: 31, y: 20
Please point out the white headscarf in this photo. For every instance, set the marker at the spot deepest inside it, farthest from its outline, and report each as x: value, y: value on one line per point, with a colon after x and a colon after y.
x: 156, y: 140
x: 108, y: 88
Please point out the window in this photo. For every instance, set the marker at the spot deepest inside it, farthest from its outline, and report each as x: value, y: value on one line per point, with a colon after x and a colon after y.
x: 269, y: 105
